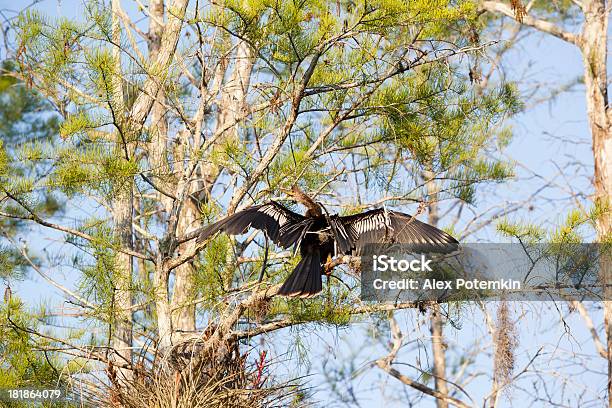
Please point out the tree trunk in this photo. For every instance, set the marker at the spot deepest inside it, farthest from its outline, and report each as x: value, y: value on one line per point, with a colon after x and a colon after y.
x: 232, y: 104
x: 437, y: 324
x: 231, y: 108
x: 162, y: 307
x: 121, y: 340
x: 183, y: 308
x: 593, y: 46
x: 160, y: 169
x: 122, y: 206
x: 157, y: 148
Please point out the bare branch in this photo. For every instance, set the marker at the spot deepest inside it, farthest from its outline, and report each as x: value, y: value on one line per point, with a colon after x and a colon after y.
x: 538, y: 24
x: 589, y: 324
x: 34, y: 217
x: 46, y: 277
x: 386, y: 362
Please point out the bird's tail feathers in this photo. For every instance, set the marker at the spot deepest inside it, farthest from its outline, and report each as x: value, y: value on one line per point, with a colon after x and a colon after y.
x: 305, y: 280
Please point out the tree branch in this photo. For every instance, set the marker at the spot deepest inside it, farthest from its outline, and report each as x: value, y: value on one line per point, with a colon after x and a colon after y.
x: 385, y: 365
x: 538, y: 24
x: 589, y: 323
x: 34, y: 217
x: 143, y: 104
x: 62, y: 288
x: 270, y: 155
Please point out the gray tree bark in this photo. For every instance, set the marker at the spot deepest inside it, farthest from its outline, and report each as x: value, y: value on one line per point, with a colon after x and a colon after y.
x: 122, y: 210
x: 122, y: 329
x: 231, y: 108
x: 164, y: 35
x: 593, y: 46
x: 436, y: 323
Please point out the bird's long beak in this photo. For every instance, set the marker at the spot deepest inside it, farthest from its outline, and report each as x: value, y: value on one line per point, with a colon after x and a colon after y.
x: 291, y: 192
x: 287, y: 191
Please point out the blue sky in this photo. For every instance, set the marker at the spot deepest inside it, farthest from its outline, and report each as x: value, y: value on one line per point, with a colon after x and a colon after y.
x: 538, y: 146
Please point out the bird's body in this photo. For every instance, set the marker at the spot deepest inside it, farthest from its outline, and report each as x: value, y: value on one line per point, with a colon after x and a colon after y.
x: 320, y: 236
x: 316, y: 248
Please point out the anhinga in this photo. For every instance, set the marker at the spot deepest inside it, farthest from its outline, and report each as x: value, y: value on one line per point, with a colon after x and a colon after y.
x: 320, y: 236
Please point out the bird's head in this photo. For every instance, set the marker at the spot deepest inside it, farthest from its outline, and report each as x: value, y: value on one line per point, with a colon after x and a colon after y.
x: 298, y: 195
x: 294, y: 192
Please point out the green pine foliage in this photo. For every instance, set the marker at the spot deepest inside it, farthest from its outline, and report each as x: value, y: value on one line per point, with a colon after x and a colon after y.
x: 573, y: 228
x: 441, y: 125
x: 212, y: 278
x: 22, y: 364
x: 27, y: 123
x: 381, y: 106
x: 28, y: 129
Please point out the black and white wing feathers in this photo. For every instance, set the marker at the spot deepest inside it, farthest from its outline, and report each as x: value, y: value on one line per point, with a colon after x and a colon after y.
x: 382, y: 226
x: 283, y: 226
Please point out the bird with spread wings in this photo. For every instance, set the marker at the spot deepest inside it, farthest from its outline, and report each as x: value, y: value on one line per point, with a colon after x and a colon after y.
x: 319, y: 236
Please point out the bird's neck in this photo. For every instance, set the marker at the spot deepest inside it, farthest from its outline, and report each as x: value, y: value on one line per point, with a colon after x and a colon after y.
x: 314, y: 210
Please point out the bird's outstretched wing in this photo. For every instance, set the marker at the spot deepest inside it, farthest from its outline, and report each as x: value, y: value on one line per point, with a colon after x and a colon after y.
x: 382, y: 226
x: 282, y: 225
